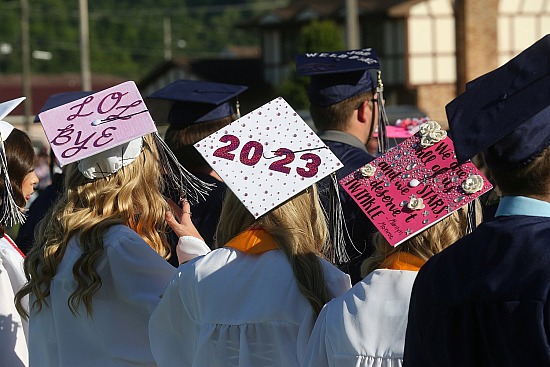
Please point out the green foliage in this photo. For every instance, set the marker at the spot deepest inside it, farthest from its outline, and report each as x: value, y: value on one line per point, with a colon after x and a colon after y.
x: 323, y: 35
x: 317, y: 36
x: 126, y: 36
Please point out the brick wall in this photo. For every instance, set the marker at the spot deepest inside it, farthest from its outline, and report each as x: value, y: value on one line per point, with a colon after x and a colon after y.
x: 476, y: 33
x: 432, y: 100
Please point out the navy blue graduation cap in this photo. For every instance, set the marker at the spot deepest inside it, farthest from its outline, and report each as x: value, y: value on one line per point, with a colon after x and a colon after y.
x: 194, y: 101
x: 505, y: 113
x: 59, y: 99
x: 337, y: 76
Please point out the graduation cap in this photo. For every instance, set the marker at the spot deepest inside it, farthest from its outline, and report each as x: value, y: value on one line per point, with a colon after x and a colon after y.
x: 505, y: 113
x: 10, y: 212
x: 194, y: 101
x: 337, y: 76
x: 103, y: 133
x: 415, y: 185
x: 404, y: 128
x: 58, y: 99
x: 5, y: 109
x: 268, y: 156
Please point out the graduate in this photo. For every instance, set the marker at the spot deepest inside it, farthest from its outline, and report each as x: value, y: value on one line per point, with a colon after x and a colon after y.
x: 98, y: 269
x: 196, y: 109
x: 426, y: 199
x: 253, y: 301
x: 17, y: 182
x: 346, y: 105
x: 484, y: 301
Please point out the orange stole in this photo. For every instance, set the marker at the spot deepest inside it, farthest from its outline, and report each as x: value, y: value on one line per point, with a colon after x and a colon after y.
x: 253, y: 241
x: 402, y: 261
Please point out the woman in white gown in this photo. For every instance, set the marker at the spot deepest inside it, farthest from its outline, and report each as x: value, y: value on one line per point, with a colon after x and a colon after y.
x: 253, y: 301
x: 19, y: 155
x: 366, y: 326
x: 99, y: 267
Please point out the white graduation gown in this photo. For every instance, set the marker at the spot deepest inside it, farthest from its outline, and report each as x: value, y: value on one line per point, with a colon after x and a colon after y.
x: 228, y: 309
x: 133, y: 278
x: 13, y: 329
x: 366, y: 326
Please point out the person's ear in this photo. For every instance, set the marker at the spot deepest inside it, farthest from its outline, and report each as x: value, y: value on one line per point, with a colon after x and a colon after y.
x: 364, y: 111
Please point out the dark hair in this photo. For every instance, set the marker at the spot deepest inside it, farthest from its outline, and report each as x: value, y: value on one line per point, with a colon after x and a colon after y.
x: 532, y: 179
x: 20, y: 159
x: 336, y: 116
x: 181, y: 140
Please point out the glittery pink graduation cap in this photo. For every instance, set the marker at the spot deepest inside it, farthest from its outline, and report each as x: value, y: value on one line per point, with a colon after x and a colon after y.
x: 415, y: 184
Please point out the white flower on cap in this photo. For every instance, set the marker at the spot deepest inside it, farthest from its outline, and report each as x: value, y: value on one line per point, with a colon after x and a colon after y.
x: 473, y: 184
x: 368, y: 170
x: 416, y: 203
x: 111, y: 160
x: 431, y: 133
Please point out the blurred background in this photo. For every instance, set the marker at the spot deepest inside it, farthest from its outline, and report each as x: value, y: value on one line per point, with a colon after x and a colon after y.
x: 429, y: 49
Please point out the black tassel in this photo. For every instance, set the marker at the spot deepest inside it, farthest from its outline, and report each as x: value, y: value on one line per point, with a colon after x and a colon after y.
x: 336, y: 251
x: 178, y: 179
x: 471, y: 217
x: 383, y: 141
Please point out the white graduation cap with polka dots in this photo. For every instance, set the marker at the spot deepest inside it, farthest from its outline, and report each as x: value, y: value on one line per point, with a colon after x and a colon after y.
x: 268, y: 156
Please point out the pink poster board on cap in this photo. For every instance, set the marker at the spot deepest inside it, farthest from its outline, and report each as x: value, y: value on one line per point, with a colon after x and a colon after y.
x: 412, y: 186
x: 268, y: 156
x: 97, y: 122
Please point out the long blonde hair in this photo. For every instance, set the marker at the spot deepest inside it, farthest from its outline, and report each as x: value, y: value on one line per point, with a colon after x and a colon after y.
x: 87, y: 208
x: 427, y: 243
x: 300, y: 230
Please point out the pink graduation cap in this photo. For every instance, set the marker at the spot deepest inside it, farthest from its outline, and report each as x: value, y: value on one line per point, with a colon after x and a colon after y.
x: 414, y: 185
x: 404, y: 128
x: 268, y: 156
x: 97, y: 122
x: 102, y: 132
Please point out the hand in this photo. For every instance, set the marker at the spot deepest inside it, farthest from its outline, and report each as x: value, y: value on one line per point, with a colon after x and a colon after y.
x: 182, y: 226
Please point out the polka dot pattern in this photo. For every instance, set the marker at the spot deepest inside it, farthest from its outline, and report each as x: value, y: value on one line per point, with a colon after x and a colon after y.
x: 268, y: 156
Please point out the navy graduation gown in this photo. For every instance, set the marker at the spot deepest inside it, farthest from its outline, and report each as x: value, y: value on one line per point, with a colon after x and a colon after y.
x: 484, y: 301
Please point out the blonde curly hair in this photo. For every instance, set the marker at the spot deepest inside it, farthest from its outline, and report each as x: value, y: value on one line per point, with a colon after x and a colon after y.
x: 87, y: 208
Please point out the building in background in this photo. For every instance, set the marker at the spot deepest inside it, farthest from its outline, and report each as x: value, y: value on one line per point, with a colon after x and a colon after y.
x: 428, y: 49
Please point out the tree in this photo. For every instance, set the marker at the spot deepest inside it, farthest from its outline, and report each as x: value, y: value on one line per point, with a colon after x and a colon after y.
x: 317, y: 36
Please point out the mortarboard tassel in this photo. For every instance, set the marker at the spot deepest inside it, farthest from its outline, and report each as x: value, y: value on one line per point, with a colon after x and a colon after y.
x: 238, y: 108
x: 336, y: 251
x: 178, y: 179
x: 10, y: 212
x: 383, y: 142
x: 471, y: 217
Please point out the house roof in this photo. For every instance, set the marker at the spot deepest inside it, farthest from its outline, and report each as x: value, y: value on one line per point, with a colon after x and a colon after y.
x: 306, y: 10
x: 241, y: 71
x: 44, y: 85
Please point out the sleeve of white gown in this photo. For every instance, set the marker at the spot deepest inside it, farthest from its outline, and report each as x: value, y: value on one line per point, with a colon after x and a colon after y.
x: 189, y: 248
x: 318, y: 348
x: 13, y: 344
x: 140, y: 275
x: 171, y: 330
